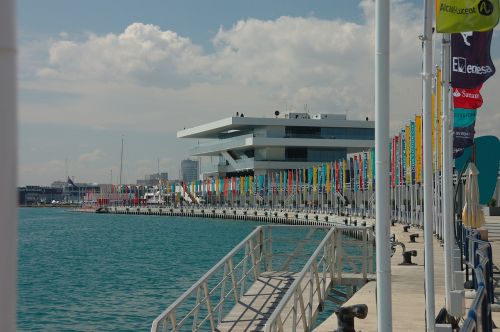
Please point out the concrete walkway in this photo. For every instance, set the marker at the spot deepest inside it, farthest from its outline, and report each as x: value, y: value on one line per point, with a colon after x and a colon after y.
x: 408, y: 300
x: 408, y: 289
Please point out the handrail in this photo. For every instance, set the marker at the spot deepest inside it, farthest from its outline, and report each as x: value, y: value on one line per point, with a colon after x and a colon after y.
x: 310, y: 270
x: 273, y: 319
x: 479, y: 255
x: 203, y: 280
x: 201, y: 307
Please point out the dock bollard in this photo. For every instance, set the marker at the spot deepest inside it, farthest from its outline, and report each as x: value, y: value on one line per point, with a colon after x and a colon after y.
x: 346, y: 315
x: 412, y: 237
x: 407, y: 257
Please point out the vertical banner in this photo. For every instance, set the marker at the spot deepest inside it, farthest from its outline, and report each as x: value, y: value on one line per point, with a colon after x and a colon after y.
x: 393, y: 162
x: 408, y: 154
x: 360, y: 170
x: 403, y: 156
x: 471, y: 63
x: 418, y: 148
x: 412, y: 151
x: 351, y: 173
x: 356, y: 173
x: 373, y: 167
x: 337, y: 177
x: 344, y: 180
x: 365, y: 171
x: 463, y: 130
x: 315, y: 178
x: 466, y: 15
x: 396, y: 166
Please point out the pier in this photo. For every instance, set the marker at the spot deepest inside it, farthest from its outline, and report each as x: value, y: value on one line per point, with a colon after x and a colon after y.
x: 273, y: 282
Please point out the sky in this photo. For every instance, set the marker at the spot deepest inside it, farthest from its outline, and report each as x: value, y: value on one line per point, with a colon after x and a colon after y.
x: 93, y: 72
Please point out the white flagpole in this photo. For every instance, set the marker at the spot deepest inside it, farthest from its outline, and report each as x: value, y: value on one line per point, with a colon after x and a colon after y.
x: 427, y: 166
x: 8, y: 176
x: 447, y: 165
x: 382, y: 191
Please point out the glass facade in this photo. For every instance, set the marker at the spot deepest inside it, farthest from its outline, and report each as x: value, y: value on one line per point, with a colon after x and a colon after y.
x: 314, y: 154
x: 331, y: 133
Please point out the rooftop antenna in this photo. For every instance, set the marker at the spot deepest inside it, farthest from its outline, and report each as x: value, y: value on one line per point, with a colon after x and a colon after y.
x: 121, y: 163
x: 66, y: 168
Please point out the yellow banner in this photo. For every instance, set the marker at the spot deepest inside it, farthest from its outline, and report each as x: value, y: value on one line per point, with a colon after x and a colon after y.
x: 466, y: 15
x: 328, y: 186
x: 418, y: 148
x: 439, y: 98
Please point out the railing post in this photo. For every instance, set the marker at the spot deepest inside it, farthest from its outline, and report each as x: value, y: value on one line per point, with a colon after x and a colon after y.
x: 255, y: 266
x: 233, y: 280
x: 311, y: 297
x: 209, y: 307
x: 270, y: 250
x: 222, y: 294
x: 339, y: 253
x: 303, y: 310
x: 197, y: 310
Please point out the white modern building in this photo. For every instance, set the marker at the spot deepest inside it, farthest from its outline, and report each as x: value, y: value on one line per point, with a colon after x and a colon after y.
x: 249, y: 145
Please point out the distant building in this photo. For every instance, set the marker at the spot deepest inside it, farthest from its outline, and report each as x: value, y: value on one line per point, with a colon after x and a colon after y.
x: 250, y: 145
x: 34, y: 195
x: 189, y: 170
x: 153, y: 179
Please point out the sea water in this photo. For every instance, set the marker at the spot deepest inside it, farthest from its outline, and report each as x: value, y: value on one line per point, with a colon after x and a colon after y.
x: 105, y: 272
x: 108, y: 272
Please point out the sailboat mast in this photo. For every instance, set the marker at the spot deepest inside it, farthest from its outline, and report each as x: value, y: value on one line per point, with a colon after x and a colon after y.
x: 121, y: 163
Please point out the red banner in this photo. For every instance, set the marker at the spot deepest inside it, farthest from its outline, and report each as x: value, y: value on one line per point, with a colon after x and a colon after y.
x: 470, y: 99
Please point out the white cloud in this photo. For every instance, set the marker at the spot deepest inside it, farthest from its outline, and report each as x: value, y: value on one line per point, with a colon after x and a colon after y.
x: 147, y: 79
x: 91, y: 156
x: 327, y: 64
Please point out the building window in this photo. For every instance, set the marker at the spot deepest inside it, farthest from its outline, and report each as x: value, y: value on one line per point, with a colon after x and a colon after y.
x: 331, y: 133
x: 296, y: 154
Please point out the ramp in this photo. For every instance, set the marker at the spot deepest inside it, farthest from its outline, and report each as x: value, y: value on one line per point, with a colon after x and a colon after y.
x: 243, y: 292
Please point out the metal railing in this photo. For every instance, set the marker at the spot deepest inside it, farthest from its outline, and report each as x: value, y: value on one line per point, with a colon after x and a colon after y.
x: 479, y: 257
x: 305, y: 297
x: 271, y: 248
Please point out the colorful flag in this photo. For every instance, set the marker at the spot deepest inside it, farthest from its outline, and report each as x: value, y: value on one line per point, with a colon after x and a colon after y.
x: 471, y: 63
x: 470, y: 99
x: 418, y: 148
x: 466, y: 15
x: 463, y: 130
x: 412, y: 152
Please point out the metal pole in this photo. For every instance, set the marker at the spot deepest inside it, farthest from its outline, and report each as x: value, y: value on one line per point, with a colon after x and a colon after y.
x: 447, y: 180
x: 121, y: 163
x: 8, y: 166
x: 427, y: 166
x: 383, y: 202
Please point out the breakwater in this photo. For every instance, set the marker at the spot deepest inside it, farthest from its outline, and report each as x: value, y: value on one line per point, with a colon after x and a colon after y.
x: 263, y: 215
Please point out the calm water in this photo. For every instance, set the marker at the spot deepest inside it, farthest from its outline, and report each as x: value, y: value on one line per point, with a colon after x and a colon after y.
x: 92, y: 272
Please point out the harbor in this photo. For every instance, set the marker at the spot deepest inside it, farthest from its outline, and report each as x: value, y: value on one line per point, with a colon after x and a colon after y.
x: 298, y: 167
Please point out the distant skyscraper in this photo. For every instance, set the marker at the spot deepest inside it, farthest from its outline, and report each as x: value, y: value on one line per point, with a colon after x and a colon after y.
x: 189, y: 170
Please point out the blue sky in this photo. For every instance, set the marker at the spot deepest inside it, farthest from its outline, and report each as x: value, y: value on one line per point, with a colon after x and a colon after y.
x: 93, y: 71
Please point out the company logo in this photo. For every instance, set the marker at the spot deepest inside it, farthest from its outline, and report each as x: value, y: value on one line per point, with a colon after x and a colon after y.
x: 460, y: 66
x: 456, y: 10
x: 485, y: 7
x: 456, y: 94
x: 465, y: 36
